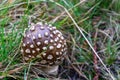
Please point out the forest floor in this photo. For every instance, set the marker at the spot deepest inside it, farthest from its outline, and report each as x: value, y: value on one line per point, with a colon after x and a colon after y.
x: 91, y: 28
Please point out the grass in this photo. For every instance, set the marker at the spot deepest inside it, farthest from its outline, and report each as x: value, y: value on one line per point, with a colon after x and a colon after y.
x: 85, y: 24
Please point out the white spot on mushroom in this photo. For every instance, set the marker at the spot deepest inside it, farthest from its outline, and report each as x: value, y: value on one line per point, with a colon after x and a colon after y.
x: 29, y: 56
x: 62, y: 37
x: 33, y: 37
x: 51, y: 35
x: 27, y: 50
x: 39, y: 36
x: 28, y: 42
x: 51, y: 41
x: 65, y: 49
x: 44, y: 48
x: 44, y: 54
x: 46, y: 42
x: 38, y: 43
x: 51, y: 47
x: 46, y: 34
x: 60, y: 53
x: 57, y: 53
x: 26, y: 58
x: 49, y: 57
x: 32, y: 24
x: 59, y: 45
x: 41, y: 27
x: 24, y: 44
x: 28, y: 35
x: 63, y: 45
x: 59, y: 35
x: 31, y: 46
x: 60, y: 41
x: 50, y: 29
x: 38, y: 49
x: 54, y: 28
x: 40, y: 23
x: 62, y: 50
x: 32, y: 28
x: 33, y: 51
x: 56, y: 39
x: 54, y: 32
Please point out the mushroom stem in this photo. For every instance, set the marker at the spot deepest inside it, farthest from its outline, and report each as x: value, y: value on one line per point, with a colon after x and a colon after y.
x: 51, y: 70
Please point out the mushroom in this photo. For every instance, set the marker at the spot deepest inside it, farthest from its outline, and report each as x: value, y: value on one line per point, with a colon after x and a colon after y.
x: 44, y: 42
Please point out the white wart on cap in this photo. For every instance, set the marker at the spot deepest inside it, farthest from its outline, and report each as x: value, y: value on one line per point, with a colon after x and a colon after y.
x: 45, y: 42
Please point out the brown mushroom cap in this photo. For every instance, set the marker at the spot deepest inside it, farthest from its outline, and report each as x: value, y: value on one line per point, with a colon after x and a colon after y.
x: 44, y: 42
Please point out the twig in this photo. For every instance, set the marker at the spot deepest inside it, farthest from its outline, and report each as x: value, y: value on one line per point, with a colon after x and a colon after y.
x: 96, y: 77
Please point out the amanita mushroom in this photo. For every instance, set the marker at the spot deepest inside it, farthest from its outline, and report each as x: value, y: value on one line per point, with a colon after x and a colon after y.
x: 44, y: 42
